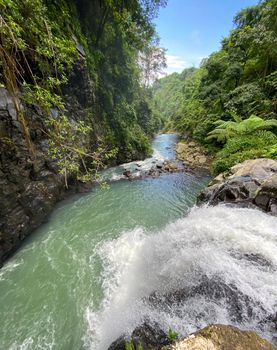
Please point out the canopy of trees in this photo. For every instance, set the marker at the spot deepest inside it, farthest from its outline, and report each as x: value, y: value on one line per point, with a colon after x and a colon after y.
x: 234, y: 91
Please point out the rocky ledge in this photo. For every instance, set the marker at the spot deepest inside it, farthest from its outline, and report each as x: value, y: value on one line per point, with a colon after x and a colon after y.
x: 221, y: 337
x: 193, y: 155
x: 252, y: 183
x: 213, y: 337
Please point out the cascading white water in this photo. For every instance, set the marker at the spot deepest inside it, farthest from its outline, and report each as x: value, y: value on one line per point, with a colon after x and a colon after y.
x: 107, y: 260
x: 222, y: 259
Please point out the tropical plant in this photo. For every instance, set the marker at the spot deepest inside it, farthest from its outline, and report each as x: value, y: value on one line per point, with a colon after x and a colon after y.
x: 69, y: 146
x: 262, y: 143
x: 228, y: 129
x: 129, y: 345
x: 172, y: 336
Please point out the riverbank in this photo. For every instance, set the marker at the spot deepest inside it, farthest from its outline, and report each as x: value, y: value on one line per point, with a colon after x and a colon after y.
x: 193, y: 155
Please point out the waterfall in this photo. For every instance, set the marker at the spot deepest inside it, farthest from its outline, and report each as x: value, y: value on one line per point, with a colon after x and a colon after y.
x: 217, y: 265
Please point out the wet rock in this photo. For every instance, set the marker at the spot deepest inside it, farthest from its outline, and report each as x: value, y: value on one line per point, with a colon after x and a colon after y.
x: 153, y: 172
x: 159, y: 165
x: 255, y: 259
x: 170, y: 166
x: 267, y: 193
x: 119, y: 344
x: 252, y: 183
x: 147, y: 336
x: 222, y: 337
x: 273, y: 207
x: 30, y: 186
x: 127, y: 173
x: 238, y: 305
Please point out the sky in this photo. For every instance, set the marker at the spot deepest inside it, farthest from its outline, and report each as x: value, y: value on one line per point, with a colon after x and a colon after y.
x: 191, y: 30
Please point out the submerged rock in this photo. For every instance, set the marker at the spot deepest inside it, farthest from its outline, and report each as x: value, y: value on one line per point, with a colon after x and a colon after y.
x: 239, y: 306
x: 221, y: 337
x: 252, y: 183
x: 127, y: 173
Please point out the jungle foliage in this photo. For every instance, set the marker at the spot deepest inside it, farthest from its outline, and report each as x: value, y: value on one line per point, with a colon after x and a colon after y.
x: 229, y: 104
x: 40, y: 43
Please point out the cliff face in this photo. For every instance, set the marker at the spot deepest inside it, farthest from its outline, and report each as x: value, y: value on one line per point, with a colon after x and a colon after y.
x: 31, y: 185
x: 74, y: 62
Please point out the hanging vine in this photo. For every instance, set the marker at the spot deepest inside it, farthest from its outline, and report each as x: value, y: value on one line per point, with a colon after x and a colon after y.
x: 34, y: 64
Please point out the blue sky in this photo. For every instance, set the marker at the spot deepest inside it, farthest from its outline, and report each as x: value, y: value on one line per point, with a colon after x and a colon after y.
x: 192, y: 29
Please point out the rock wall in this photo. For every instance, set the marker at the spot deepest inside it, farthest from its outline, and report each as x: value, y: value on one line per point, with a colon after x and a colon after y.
x: 31, y: 185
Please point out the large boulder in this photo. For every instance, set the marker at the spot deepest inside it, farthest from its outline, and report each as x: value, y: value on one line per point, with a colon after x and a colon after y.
x: 259, y: 169
x: 252, y: 183
x: 221, y: 337
x: 266, y: 196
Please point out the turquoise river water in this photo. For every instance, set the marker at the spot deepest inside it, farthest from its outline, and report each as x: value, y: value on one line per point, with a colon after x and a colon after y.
x: 82, y: 279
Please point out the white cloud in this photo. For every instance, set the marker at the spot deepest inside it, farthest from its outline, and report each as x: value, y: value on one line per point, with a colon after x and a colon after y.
x: 176, y: 64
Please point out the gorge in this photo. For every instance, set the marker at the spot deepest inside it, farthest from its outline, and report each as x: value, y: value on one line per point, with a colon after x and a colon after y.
x: 137, y: 208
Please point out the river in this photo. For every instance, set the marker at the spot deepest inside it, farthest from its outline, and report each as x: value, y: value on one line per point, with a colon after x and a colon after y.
x: 84, y: 277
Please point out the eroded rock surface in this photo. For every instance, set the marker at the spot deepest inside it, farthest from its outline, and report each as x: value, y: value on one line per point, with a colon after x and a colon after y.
x: 252, y: 183
x: 221, y: 337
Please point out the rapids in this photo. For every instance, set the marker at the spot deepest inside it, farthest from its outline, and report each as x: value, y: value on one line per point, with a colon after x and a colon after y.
x: 107, y: 260
x: 221, y: 261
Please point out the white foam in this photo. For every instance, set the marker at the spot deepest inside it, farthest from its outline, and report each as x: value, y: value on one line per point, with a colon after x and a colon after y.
x: 139, y: 263
x: 9, y: 267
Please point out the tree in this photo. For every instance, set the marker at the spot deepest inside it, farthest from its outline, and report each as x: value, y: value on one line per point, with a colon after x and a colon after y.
x: 152, y: 61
